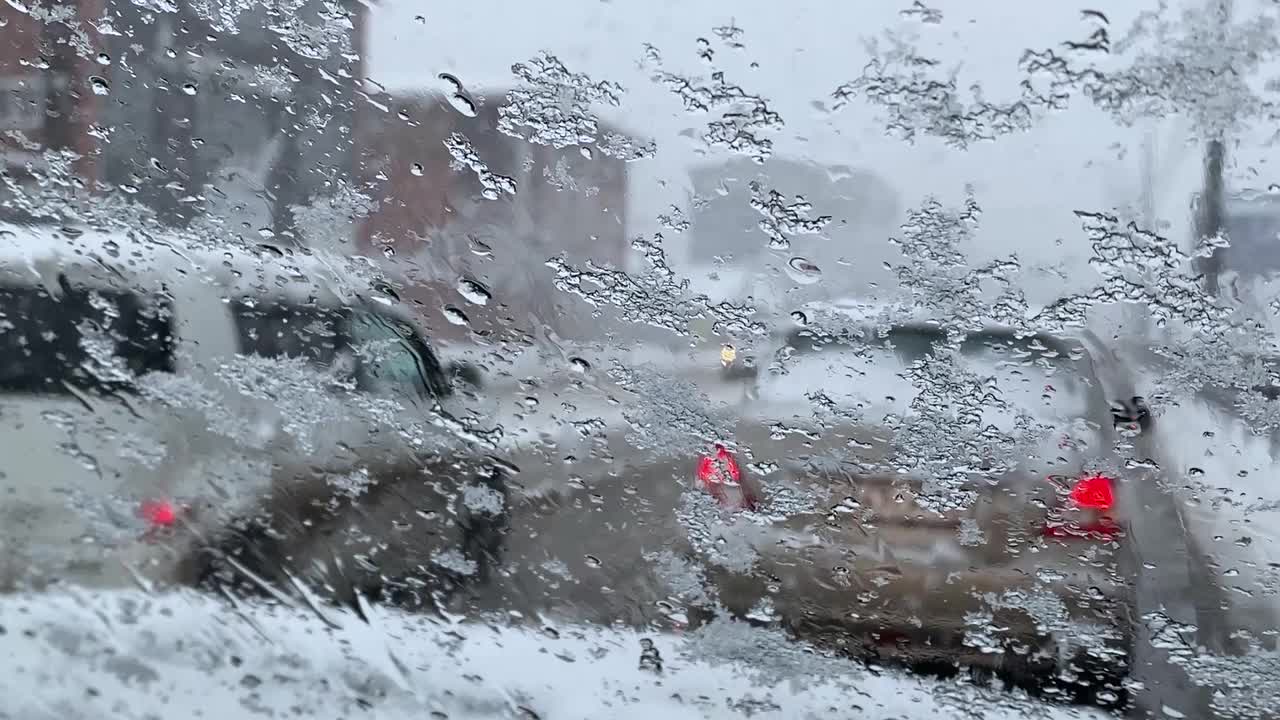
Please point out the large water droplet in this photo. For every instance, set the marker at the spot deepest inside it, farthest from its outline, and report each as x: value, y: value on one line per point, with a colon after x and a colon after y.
x: 463, y: 104
x: 579, y: 365
x: 455, y: 85
x: 454, y: 315
x: 473, y: 291
x: 416, y: 169
x: 100, y: 85
x: 189, y: 88
x: 799, y: 318
x: 803, y: 271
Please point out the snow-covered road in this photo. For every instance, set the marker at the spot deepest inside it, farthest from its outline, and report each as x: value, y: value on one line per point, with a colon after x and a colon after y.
x: 130, y: 655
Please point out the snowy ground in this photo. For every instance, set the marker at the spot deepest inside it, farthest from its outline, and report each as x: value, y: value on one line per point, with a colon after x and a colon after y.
x: 130, y: 655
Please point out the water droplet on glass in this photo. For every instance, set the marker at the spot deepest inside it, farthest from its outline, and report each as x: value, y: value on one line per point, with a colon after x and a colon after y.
x: 420, y: 19
x: 104, y: 59
x: 586, y: 152
x: 473, y: 291
x: 799, y: 317
x: 803, y: 271
x: 454, y: 315
x: 579, y: 365
x: 189, y: 88
x: 416, y: 169
x: 650, y: 658
x: 531, y: 402
x: 593, y: 561
x: 100, y: 85
x: 1195, y: 472
x: 266, y: 233
x: 455, y: 85
x: 463, y: 104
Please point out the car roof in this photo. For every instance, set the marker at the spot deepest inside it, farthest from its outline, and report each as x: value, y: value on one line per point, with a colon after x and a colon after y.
x: 144, y: 261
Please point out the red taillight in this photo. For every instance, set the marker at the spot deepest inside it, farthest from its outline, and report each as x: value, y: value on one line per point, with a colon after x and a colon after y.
x: 159, y: 513
x: 1093, y: 493
x: 721, y: 476
x: 722, y: 469
x: 1087, y: 515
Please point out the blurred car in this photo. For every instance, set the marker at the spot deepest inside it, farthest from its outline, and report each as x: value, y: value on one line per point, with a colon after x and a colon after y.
x: 806, y: 514
x: 160, y: 392
x: 1020, y: 569
x: 810, y: 512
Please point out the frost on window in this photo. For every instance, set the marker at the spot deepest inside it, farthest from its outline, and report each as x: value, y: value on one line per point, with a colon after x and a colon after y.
x: 466, y: 158
x: 919, y: 97
x: 937, y: 274
x: 744, y: 118
x: 555, y: 105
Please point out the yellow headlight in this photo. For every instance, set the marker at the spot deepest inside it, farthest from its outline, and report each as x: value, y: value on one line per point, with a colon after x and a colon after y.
x: 727, y: 354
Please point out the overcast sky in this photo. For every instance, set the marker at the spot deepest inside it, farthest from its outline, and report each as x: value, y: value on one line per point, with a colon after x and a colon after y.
x: 1028, y: 184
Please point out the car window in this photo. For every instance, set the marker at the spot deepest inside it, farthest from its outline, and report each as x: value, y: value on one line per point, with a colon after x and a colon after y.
x: 278, y: 330
x: 392, y: 355
x: 1045, y: 376
x: 1038, y: 375
x: 395, y: 357
x: 87, y: 339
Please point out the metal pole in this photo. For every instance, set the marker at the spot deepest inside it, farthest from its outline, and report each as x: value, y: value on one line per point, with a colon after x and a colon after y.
x: 1212, y: 216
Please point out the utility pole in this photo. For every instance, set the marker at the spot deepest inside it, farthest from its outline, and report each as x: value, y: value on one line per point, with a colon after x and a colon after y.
x: 1212, y: 216
x: 1212, y: 220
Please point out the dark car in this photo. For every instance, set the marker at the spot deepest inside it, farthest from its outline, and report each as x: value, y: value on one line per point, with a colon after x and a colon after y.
x: 390, y: 525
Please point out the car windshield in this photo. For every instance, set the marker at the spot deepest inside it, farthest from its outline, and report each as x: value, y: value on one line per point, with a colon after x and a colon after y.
x: 588, y: 358
x: 394, y: 357
x: 1046, y: 378
x: 397, y: 358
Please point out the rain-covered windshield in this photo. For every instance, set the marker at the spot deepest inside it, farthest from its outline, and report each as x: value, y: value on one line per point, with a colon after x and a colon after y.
x: 742, y: 358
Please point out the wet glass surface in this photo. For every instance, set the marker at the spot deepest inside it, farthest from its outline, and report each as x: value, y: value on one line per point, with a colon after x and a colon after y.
x: 593, y: 358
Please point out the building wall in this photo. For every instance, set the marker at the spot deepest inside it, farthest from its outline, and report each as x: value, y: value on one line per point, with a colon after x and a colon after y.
x: 433, y: 220
x: 53, y: 107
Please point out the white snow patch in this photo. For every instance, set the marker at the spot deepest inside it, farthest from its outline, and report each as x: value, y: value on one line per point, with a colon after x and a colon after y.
x: 128, y: 655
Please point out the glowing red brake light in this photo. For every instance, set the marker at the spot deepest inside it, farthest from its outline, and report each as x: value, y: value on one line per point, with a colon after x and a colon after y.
x: 159, y: 513
x: 720, y: 475
x: 1094, y: 493
x: 719, y: 470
